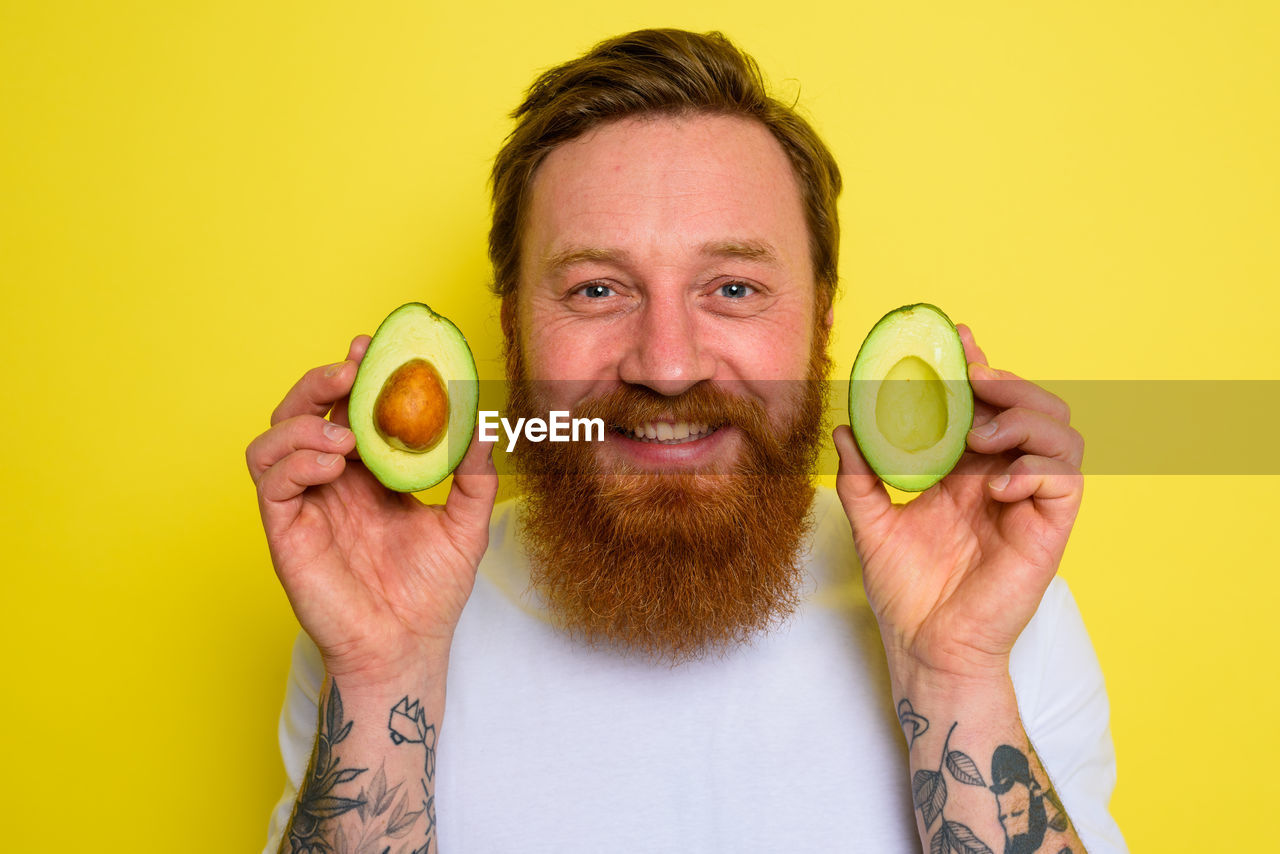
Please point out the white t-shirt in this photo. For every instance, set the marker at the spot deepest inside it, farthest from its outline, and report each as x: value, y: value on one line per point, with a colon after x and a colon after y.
x: 789, y: 744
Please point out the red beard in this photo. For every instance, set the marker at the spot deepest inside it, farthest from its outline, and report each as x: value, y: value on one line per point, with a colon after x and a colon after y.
x: 671, y: 565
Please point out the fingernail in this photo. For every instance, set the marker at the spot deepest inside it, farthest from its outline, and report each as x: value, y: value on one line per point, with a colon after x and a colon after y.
x: 1000, y: 483
x: 334, y: 368
x: 335, y: 432
x: 986, y: 431
x: 327, y: 460
x: 981, y: 371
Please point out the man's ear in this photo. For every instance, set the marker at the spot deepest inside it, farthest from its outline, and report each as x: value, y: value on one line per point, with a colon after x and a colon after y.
x: 830, y: 319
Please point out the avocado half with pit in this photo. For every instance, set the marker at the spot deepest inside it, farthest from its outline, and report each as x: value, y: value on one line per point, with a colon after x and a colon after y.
x: 413, y: 405
x: 910, y: 403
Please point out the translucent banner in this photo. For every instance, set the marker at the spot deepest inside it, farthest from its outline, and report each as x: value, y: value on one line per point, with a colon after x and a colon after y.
x: 1130, y: 427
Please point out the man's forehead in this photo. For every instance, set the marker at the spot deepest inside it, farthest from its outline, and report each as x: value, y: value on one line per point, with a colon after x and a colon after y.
x: 700, y: 187
x: 673, y: 154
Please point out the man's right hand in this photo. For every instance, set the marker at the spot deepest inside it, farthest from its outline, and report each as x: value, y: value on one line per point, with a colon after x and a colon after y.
x: 376, y: 578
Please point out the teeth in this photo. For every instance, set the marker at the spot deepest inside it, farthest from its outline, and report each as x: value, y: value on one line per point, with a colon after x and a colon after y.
x: 666, y: 431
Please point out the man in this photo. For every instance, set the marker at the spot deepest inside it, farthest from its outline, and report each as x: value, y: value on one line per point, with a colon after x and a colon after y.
x: 671, y: 643
x: 1021, y: 802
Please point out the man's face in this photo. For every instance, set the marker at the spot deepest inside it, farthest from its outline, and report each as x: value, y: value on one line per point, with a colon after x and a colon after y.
x: 666, y: 287
x: 665, y: 252
x: 1015, y: 813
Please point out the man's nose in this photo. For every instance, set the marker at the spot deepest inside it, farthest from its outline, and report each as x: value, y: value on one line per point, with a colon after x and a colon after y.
x: 665, y: 352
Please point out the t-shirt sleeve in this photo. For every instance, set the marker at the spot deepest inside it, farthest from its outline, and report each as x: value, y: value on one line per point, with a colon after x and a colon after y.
x: 299, y: 717
x: 1063, y: 701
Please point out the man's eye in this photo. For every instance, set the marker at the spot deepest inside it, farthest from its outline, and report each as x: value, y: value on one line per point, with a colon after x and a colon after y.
x: 735, y: 290
x: 596, y: 291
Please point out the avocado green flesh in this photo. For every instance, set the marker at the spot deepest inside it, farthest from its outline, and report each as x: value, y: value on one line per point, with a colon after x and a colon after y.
x: 411, y: 332
x: 910, y: 404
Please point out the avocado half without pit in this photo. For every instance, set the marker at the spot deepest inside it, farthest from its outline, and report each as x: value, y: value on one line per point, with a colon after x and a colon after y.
x: 413, y: 405
x: 910, y: 403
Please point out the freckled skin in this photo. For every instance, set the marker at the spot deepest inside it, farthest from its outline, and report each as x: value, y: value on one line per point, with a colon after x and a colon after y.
x: 412, y: 409
x: 660, y: 190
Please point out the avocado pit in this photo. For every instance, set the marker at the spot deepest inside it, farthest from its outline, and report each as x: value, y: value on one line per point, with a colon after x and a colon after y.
x: 412, y: 409
x: 911, y: 406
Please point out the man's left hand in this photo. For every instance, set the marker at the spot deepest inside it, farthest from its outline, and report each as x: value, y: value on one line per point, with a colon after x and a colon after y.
x: 955, y: 575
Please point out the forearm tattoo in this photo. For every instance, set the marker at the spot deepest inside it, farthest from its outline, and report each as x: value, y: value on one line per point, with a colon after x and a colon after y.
x: 1026, y: 810
x: 409, y: 724
x: 386, y: 815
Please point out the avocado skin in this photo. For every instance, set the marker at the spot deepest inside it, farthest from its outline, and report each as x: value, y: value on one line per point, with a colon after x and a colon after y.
x: 918, y: 472
x: 414, y: 331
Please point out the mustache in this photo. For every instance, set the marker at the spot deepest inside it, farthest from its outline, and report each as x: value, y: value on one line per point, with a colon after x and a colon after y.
x: 631, y: 405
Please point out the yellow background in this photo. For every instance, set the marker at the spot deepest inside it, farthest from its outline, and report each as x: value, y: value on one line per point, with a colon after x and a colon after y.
x: 200, y: 201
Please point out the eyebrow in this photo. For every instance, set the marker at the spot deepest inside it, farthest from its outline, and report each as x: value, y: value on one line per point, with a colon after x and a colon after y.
x: 748, y: 250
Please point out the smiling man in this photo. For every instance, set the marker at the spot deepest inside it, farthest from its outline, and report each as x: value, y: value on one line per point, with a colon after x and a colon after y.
x: 672, y: 642
x: 693, y: 328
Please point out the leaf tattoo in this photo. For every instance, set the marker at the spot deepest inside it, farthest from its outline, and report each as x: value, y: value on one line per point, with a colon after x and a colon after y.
x: 317, y: 802
x: 386, y: 810
x: 955, y: 837
x: 1059, y: 822
x: 1026, y: 811
x: 964, y: 769
x: 929, y: 791
x: 400, y: 822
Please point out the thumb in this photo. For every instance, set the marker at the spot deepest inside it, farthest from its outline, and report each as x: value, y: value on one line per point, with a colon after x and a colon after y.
x: 864, y: 497
x: 474, y: 487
